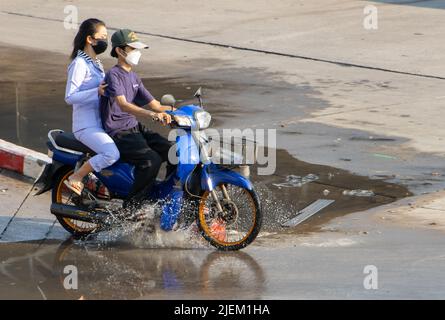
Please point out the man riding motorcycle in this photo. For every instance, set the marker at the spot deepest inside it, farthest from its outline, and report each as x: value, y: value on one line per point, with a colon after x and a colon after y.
x: 124, y: 96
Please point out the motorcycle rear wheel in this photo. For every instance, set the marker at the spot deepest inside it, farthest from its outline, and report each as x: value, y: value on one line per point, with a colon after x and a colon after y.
x: 61, y: 194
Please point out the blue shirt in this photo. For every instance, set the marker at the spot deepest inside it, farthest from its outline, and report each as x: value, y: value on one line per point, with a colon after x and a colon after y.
x: 121, y: 83
x: 84, y: 77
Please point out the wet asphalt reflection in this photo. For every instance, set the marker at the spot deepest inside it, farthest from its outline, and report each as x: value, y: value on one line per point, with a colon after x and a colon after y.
x: 30, y: 271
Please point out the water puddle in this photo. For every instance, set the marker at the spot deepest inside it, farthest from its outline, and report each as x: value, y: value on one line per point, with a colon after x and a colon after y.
x: 283, y: 197
x: 30, y: 271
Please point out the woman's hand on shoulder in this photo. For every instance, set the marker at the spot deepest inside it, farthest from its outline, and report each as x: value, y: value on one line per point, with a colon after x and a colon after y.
x: 102, y: 88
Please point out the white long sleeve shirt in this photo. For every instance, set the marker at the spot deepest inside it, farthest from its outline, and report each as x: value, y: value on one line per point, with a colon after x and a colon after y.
x: 84, y: 77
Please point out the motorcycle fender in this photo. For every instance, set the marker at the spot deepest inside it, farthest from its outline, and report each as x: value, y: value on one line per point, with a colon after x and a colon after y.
x: 46, y: 179
x: 217, y: 176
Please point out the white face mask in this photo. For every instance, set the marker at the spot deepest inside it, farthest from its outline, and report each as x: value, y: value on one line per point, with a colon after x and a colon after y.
x: 133, y: 57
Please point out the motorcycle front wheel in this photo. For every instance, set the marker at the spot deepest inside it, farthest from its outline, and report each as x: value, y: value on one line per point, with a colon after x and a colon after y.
x: 239, y: 222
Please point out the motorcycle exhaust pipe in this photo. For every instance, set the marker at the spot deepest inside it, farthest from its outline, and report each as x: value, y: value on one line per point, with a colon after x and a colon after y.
x: 73, y: 212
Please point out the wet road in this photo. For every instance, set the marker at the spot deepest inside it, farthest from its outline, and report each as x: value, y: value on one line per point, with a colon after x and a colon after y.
x: 309, y: 268
x: 317, y: 260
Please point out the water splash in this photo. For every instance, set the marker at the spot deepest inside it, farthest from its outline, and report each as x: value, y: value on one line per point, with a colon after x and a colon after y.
x: 275, y: 211
x: 147, y: 233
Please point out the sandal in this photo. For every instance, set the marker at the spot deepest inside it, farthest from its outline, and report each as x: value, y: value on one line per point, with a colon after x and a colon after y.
x: 75, y: 187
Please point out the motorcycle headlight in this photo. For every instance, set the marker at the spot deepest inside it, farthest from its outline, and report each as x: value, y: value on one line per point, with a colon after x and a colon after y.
x: 183, y: 121
x: 203, y: 119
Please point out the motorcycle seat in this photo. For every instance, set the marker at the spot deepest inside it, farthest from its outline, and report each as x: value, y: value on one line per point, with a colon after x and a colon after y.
x: 68, y: 141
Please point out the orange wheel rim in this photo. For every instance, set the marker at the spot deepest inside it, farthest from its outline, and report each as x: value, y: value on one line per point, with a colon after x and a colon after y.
x: 68, y: 221
x: 208, y: 230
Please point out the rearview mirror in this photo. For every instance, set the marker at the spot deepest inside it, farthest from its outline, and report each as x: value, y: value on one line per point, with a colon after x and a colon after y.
x: 168, y: 100
x: 198, y: 93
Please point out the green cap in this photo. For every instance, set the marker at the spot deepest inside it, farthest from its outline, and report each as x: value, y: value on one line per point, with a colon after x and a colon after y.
x: 125, y: 37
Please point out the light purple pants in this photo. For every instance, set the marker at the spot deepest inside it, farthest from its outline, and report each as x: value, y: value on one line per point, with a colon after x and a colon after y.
x: 100, y: 142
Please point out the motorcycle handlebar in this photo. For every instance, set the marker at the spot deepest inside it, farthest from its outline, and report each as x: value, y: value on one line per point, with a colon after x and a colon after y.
x: 172, y: 123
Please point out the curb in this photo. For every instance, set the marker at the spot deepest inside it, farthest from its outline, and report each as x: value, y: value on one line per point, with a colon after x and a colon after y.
x: 25, y: 161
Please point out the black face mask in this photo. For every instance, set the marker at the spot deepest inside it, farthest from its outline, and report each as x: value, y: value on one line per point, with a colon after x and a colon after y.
x: 100, y: 46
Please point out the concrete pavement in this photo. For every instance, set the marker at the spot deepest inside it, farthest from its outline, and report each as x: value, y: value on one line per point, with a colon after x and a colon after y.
x: 24, y: 217
x: 331, y: 30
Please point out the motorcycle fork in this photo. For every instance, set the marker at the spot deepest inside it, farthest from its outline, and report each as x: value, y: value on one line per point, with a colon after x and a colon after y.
x: 225, y: 193
x: 215, y: 197
x: 197, y: 135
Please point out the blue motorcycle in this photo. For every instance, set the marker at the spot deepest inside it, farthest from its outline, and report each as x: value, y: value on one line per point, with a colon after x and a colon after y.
x: 220, y: 201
